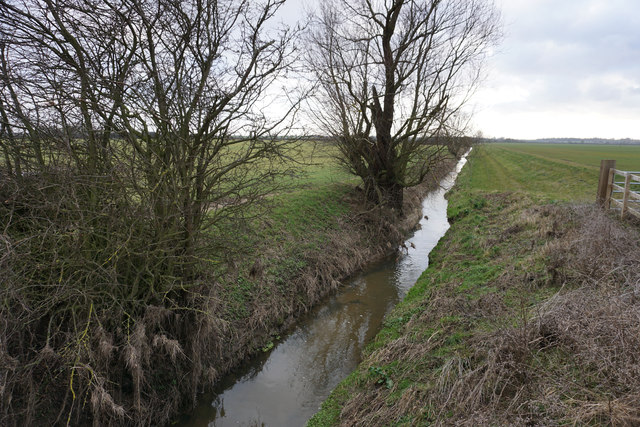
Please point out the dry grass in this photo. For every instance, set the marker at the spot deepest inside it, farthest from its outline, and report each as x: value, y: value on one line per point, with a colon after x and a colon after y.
x: 80, y: 344
x: 554, y: 338
x: 573, y: 358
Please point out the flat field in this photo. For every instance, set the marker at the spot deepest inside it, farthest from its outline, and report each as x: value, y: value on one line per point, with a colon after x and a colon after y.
x: 567, y: 172
x: 628, y: 156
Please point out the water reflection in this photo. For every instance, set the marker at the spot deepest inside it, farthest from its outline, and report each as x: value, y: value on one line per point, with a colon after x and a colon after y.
x: 286, y: 386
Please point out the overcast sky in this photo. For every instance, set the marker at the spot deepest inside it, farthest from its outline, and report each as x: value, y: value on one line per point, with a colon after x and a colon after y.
x: 565, y: 68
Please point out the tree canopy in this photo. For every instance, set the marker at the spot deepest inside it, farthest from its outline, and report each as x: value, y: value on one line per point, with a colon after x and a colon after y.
x: 394, y: 76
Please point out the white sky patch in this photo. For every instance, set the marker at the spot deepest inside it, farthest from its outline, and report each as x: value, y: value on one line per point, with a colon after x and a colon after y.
x: 510, y: 90
x: 567, y: 68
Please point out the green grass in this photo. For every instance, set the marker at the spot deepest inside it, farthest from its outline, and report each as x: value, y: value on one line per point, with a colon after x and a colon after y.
x: 501, y: 168
x: 567, y: 172
x: 489, y: 269
x: 319, y: 167
x: 589, y: 155
x: 294, y: 224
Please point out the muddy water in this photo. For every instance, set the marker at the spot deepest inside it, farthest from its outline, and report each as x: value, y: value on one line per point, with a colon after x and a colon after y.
x: 285, y: 386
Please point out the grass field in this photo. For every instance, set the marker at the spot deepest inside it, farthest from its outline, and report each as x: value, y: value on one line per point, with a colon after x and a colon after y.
x: 566, y: 172
x: 523, y: 316
x: 320, y: 167
x: 628, y: 156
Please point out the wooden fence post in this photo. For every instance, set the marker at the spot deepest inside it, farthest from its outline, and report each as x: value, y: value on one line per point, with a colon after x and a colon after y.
x: 603, y: 184
x: 627, y: 189
x: 607, y: 200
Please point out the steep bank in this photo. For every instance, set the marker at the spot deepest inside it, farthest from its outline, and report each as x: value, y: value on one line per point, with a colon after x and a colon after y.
x: 302, y: 252
x: 528, y: 314
x: 142, y: 363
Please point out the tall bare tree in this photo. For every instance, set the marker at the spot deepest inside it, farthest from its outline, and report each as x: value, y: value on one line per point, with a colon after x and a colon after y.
x: 167, y: 92
x: 128, y: 128
x: 394, y: 76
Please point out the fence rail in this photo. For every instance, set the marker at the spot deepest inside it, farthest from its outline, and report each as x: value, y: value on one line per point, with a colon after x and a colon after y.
x: 619, y: 190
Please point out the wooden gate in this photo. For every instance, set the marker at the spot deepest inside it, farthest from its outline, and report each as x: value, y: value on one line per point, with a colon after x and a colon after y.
x: 619, y: 190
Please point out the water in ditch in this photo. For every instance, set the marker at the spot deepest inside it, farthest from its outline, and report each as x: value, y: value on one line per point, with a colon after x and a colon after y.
x: 285, y: 386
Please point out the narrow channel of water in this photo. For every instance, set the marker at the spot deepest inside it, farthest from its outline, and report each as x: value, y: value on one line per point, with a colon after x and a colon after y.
x: 286, y: 386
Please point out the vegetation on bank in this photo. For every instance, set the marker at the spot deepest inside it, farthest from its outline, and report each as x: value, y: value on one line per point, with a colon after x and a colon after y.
x: 139, y: 141
x: 79, y: 345
x: 133, y: 141
x: 527, y: 314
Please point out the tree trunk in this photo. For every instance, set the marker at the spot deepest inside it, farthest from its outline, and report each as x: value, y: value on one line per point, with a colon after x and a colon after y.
x: 392, y: 196
x: 388, y: 194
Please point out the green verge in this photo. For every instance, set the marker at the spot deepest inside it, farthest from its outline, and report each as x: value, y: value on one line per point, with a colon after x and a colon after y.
x: 482, y: 338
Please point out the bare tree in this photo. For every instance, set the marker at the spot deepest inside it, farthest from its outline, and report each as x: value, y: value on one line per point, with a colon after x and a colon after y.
x: 128, y: 130
x: 166, y: 93
x: 394, y: 76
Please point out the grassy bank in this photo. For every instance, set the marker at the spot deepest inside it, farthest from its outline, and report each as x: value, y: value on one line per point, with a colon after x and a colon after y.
x: 527, y: 314
x: 141, y: 362
x: 312, y: 238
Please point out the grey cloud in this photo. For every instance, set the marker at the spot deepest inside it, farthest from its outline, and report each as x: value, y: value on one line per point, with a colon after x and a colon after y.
x: 554, y: 47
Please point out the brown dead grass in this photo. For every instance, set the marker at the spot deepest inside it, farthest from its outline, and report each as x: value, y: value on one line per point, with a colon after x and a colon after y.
x: 573, y: 358
x: 143, y: 367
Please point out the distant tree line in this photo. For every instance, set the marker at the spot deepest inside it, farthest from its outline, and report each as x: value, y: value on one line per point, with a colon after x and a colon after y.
x: 623, y: 141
